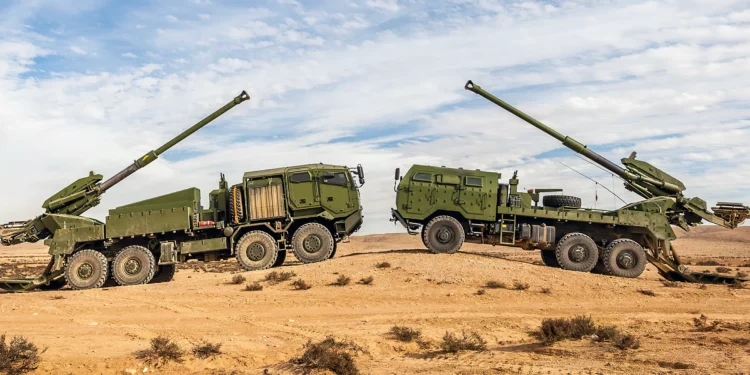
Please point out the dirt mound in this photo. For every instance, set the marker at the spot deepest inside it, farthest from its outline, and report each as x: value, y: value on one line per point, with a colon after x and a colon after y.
x: 264, y: 330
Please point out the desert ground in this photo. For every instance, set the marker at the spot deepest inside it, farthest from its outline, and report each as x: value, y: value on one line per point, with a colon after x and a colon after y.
x: 98, y: 331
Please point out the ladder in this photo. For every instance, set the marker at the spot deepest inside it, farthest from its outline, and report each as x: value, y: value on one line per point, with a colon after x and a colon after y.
x: 508, y: 221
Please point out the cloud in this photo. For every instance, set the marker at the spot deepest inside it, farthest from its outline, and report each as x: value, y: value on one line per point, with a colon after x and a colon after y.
x: 383, y: 88
x: 387, y: 5
x: 78, y: 50
x: 129, y: 55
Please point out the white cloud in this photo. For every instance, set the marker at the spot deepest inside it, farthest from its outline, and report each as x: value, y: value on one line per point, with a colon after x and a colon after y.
x: 204, y: 16
x: 171, y: 18
x: 617, y: 75
x: 78, y: 50
x: 129, y: 55
x: 387, y: 5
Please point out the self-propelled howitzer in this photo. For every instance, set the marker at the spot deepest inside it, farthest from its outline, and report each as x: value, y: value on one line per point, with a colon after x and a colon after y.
x: 656, y: 186
x: 86, y: 192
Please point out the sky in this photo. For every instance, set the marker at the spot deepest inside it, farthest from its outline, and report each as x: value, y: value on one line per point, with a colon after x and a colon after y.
x: 92, y: 85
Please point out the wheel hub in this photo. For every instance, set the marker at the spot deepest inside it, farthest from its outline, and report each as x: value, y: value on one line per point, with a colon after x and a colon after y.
x: 85, y: 271
x: 626, y: 260
x: 578, y: 253
x: 312, y: 243
x: 133, y: 266
x: 256, y: 251
x: 444, y: 235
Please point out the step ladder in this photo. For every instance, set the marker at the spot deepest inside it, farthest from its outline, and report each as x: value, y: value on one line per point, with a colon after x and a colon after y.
x: 508, y: 221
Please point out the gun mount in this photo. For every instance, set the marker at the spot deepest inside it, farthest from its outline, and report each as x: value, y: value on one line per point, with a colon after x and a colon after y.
x: 642, y: 178
x: 86, y: 192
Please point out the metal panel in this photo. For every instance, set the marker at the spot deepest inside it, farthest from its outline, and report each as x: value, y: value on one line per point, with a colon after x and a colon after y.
x: 146, y: 222
x: 201, y: 246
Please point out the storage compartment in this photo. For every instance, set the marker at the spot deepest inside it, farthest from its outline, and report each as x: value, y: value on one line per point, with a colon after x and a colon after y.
x: 265, y: 198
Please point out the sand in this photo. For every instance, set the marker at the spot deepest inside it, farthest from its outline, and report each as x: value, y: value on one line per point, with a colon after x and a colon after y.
x: 98, y: 331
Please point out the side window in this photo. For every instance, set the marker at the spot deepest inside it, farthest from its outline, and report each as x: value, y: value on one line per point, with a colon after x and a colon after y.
x: 338, y: 178
x: 474, y: 181
x: 300, y: 177
x: 421, y: 176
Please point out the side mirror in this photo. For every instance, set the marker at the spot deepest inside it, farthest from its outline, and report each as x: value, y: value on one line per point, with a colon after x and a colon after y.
x: 361, y: 174
x: 398, y: 174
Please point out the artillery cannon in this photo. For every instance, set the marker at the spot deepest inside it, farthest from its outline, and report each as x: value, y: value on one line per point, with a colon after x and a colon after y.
x: 63, y: 209
x: 659, y: 190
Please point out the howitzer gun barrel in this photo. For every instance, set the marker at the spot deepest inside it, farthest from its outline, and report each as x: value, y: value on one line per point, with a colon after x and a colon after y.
x: 153, y: 155
x: 572, y: 143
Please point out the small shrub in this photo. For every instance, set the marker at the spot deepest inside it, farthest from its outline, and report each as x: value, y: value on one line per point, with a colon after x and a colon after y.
x: 425, y: 344
x: 492, y: 284
x: 671, y: 284
x: 741, y: 341
x: 742, y: 274
x: 607, y: 333
x: 708, y: 263
x: 723, y: 270
x: 254, y: 287
x: 277, y: 277
x: 627, y: 341
x: 558, y: 329
x: 518, y: 285
x: 207, y: 350
x: 546, y: 290
x: 701, y: 324
x: 481, y: 292
x: 342, y: 281
x: 405, y: 334
x: 162, y: 351
x: 737, y: 285
x: 703, y: 287
x: 647, y: 292
x: 473, y: 341
x: 19, y: 356
x: 383, y: 265
x: 238, y: 279
x: 300, y: 284
x: 366, y: 280
x: 331, y: 355
x: 675, y: 365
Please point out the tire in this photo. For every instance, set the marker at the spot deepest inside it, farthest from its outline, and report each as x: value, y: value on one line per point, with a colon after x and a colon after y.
x: 444, y: 235
x: 86, y: 269
x: 312, y: 243
x: 624, y: 258
x: 164, y: 273
x: 256, y: 250
x: 561, y: 201
x: 577, y: 252
x: 549, y: 259
x: 335, y: 247
x: 133, y: 265
x: 424, y: 240
x: 280, y: 258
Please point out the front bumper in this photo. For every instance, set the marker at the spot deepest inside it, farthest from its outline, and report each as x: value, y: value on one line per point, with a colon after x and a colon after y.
x: 411, y: 228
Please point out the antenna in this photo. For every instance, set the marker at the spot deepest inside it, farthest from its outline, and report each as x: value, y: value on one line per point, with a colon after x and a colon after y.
x: 595, y: 181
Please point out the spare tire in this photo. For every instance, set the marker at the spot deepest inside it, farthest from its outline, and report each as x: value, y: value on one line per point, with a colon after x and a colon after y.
x: 561, y: 201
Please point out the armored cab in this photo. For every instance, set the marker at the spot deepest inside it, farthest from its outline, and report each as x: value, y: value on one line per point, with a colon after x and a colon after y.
x: 450, y: 206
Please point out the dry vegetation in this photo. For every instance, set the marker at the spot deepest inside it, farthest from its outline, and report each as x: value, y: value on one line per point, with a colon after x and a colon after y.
x: 278, y: 277
x: 254, y: 287
x: 331, y: 355
x: 518, y: 285
x: 405, y: 334
x: 452, y: 343
x: 492, y: 284
x: 19, y: 356
x: 342, y: 280
x: 647, y: 292
x: 382, y: 265
x: 162, y: 351
x: 238, y: 279
x: 576, y: 328
x: 207, y: 350
x: 366, y: 280
x: 300, y: 284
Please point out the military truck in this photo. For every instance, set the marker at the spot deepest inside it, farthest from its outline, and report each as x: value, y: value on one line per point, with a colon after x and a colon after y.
x: 451, y: 205
x: 306, y: 209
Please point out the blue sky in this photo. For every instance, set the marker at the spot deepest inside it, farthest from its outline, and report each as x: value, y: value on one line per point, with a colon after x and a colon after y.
x: 92, y: 85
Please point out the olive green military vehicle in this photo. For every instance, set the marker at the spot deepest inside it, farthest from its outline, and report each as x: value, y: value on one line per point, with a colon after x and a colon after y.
x: 306, y: 209
x: 449, y: 206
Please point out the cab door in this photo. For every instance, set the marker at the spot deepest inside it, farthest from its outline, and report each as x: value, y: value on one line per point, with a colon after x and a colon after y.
x: 335, y: 191
x: 473, y: 197
x: 421, y: 193
x: 302, y: 190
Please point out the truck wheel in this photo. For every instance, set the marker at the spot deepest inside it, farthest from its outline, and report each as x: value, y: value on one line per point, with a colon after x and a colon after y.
x: 624, y: 258
x: 549, y: 259
x: 86, y: 269
x: 312, y: 242
x: 561, y: 201
x: 164, y: 274
x: 444, y: 235
x: 424, y: 240
x: 256, y: 250
x: 280, y: 258
x: 335, y: 247
x: 577, y: 252
x: 133, y: 265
